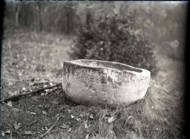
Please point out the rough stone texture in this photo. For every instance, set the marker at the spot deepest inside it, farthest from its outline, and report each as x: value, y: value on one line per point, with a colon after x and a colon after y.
x: 105, y: 83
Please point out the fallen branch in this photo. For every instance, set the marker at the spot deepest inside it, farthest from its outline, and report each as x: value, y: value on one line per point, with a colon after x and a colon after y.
x: 42, y: 135
x: 16, y: 97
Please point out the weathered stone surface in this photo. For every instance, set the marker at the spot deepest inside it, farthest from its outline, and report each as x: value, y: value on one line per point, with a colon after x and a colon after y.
x: 102, y: 82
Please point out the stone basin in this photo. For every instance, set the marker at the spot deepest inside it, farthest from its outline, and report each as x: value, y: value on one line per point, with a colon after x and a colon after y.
x: 107, y: 83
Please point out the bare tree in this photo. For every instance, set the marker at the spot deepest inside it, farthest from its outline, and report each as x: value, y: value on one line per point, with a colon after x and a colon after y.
x: 17, y: 10
x: 40, y: 16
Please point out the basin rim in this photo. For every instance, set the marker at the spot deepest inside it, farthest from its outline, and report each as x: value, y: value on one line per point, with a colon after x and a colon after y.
x: 143, y: 72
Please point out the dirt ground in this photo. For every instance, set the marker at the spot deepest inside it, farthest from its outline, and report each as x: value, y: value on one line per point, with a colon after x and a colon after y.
x: 33, y: 61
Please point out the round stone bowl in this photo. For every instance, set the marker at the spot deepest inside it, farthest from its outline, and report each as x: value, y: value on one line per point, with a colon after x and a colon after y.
x: 102, y: 82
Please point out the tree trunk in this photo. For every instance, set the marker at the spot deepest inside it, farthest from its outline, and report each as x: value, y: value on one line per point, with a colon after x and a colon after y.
x: 17, y: 10
x: 68, y: 23
x: 89, y: 18
x: 40, y: 17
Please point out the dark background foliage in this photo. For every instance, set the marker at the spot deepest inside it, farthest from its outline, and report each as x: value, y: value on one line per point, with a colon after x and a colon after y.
x: 114, y: 37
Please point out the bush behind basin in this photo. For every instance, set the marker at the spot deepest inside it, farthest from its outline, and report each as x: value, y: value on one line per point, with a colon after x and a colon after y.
x: 115, y: 38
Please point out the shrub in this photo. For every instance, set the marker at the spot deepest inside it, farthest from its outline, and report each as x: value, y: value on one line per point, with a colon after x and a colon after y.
x: 115, y: 38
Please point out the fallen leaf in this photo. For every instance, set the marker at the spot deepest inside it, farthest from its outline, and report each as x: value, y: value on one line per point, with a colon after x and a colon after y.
x: 10, y: 103
x: 85, y: 125
x: 69, y: 129
x: 48, y: 75
x: 174, y: 44
x: 14, y: 93
x: 31, y: 84
x: 46, y: 106
x: 10, y: 83
x: 2, y: 133
x: 110, y: 120
x: 44, y: 128
x: 78, y: 119
x: 55, y: 102
x: 91, y: 116
x: 72, y: 116
x: 24, y: 59
x: 45, y: 85
x: 44, y: 112
x: 47, y: 90
x: 33, y: 113
x: 51, y: 84
x: 16, y: 125
x: 87, y: 136
x: 81, y: 115
x: 28, y: 132
x: 8, y: 131
x: 24, y: 89
x: 44, y: 81
x: 64, y: 126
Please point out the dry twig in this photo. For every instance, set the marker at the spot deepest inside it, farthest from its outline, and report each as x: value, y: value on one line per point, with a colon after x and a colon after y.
x: 42, y: 135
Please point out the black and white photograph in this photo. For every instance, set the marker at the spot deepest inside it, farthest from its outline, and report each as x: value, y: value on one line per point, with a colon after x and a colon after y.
x: 93, y: 69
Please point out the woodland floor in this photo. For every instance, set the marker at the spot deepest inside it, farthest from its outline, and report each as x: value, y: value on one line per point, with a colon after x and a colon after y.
x: 32, y: 61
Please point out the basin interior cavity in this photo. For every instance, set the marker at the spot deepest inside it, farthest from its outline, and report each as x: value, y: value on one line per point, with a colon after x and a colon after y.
x: 105, y: 64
